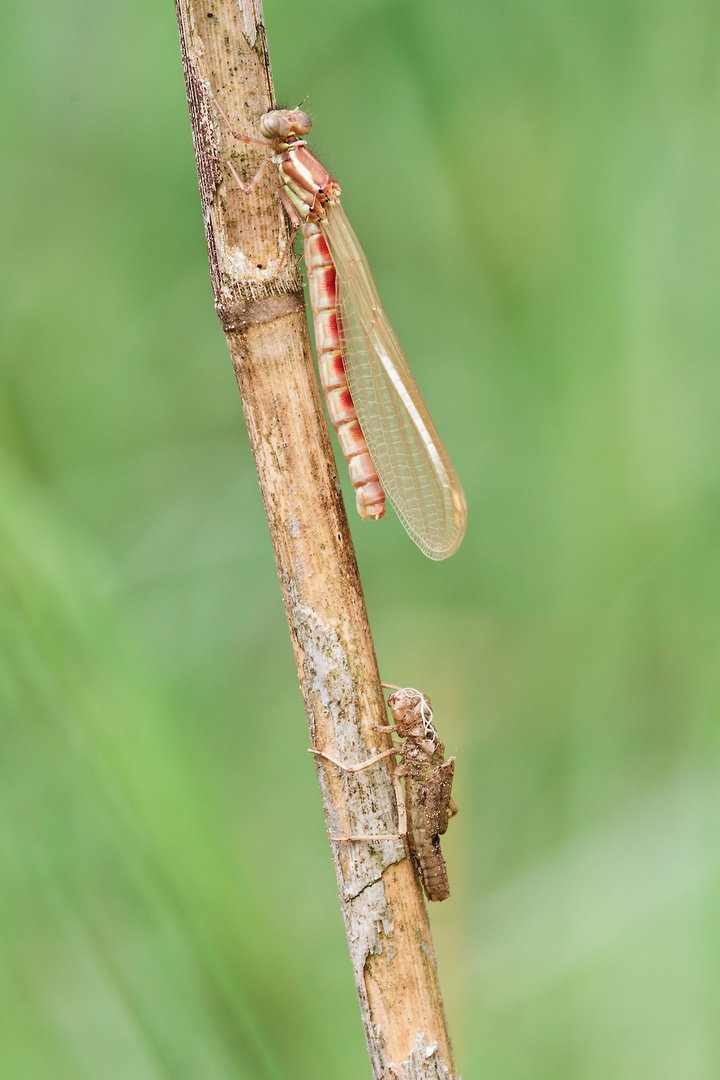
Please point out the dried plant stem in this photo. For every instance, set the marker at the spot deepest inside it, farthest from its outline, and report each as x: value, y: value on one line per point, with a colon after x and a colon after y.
x: 263, y: 315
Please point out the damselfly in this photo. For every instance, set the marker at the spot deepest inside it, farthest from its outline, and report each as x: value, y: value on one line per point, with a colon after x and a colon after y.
x: 383, y: 426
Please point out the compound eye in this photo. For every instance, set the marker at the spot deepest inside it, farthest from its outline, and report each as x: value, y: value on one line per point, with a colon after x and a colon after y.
x: 273, y: 125
x: 301, y: 122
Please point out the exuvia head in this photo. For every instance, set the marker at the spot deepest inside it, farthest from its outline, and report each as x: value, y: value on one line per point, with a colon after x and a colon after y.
x: 281, y: 123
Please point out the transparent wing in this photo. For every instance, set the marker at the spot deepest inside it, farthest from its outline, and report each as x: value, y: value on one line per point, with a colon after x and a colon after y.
x: 412, y: 463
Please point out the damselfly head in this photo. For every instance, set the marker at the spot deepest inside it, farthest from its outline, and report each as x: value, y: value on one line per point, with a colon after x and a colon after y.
x: 281, y: 123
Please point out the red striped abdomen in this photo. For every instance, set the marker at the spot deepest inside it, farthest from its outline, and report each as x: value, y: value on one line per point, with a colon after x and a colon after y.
x: 322, y: 285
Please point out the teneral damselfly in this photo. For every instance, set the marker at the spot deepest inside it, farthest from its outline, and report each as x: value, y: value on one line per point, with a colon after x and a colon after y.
x: 383, y: 426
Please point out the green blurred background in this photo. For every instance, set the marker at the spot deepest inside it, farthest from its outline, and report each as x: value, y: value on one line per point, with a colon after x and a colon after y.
x: 537, y: 186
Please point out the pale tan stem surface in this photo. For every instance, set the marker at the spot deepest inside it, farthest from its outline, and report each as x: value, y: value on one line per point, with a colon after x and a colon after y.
x: 263, y: 315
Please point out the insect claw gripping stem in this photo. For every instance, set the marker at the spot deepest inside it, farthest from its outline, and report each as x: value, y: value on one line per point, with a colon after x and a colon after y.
x: 354, y: 768
x: 236, y: 134
x: 254, y: 182
x: 247, y: 191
